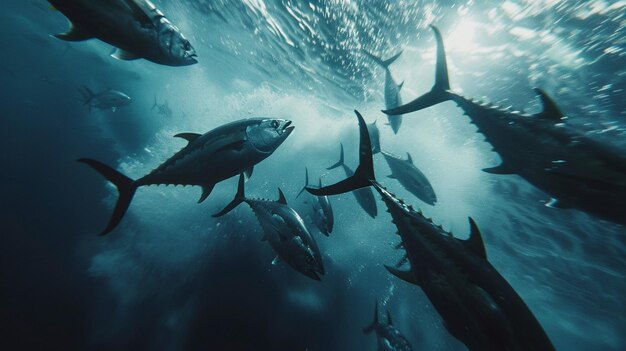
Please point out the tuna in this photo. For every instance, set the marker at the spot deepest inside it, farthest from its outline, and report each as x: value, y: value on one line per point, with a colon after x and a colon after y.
x: 477, y: 305
x: 135, y: 27
x: 207, y: 160
x: 285, y: 231
x: 575, y: 169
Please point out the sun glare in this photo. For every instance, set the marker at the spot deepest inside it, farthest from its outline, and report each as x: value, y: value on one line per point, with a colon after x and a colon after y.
x: 461, y: 37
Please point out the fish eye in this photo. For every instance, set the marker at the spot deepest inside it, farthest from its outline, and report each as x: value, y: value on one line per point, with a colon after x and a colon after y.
x: 187, y: 45
x: 274, y: 124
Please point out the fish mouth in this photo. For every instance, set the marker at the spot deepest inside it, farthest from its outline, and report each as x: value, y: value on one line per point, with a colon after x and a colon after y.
x: 288, y: 128
x: 190, y: 58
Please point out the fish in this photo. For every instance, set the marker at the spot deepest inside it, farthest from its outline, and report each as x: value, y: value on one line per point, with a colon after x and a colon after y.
x: 388, y: 337
x: 105, y: 100
x: 284, y: 230
x: 374, y: 136
x: 575, y: 169
x: 410, y: 177
x: 162, y: 109
x: 392, y: 90
x: 322, y: 211
x: 136, y: 28
x: 478, y: 306
x: 365, y: 196
x: 206, y: 160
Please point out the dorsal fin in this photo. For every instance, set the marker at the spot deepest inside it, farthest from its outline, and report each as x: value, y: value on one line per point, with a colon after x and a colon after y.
x: 190, y: 137
x: 281, y: 197
x: 409, y: 158
x: 550, y: 110
x: 475, y: 242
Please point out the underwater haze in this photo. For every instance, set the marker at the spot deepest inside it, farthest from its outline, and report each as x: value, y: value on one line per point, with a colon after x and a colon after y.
x: 172, y: 277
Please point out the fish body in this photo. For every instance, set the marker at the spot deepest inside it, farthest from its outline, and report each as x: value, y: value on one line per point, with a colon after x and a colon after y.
x: 374, y: 137
x: 388, y: 337
x: 135, y: 27
x: 321, y: 209
x: 411, y: 178
x: 285, y: 231
x: 392, y: 90
x: 105, y: 100
x: 575, y: 169
x: 207, y: 159
x: 477, y: 305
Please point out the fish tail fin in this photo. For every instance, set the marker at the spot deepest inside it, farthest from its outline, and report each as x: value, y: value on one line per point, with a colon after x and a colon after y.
x: 384, y: 63
x: 340, y: 162
x: 126, y: 188
x: 370, y: 328
x: 306, y: 181
x: 364, y: 174
x: 440, y: 90
x: 240, y: 197
x: 154, y: 105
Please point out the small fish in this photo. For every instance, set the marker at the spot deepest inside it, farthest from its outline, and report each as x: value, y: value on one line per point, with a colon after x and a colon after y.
x: 411, y: 178
x: 392, y: 90
x: 105, y: 100
x: 207, y: 159
x: 285, y: 231
x: 387, y: 336
x: 322, y: 211
x: 135, y: 27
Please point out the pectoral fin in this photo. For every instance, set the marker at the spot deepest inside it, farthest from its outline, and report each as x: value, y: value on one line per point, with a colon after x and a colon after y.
x: 74, y: 34
x: 501, y: 169
x: 120, y: 54
x: 236, y: 146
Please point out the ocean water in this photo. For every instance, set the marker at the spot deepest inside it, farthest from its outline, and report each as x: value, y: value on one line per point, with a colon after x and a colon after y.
x: 171, y: 277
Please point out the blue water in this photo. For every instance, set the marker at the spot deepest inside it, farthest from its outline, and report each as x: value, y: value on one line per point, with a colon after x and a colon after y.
x: 171, y: 277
